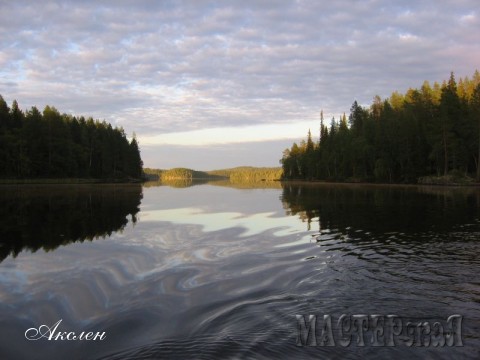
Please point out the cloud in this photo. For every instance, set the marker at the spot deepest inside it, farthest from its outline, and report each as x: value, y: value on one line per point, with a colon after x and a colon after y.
x: 159, y: 67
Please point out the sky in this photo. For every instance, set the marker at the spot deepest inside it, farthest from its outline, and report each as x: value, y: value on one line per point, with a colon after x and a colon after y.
x: 216, y: 84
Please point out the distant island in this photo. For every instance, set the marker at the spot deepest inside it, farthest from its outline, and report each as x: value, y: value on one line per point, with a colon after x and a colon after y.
x: 429, y: 135
x: 237, y: 174
x: 49, y: 147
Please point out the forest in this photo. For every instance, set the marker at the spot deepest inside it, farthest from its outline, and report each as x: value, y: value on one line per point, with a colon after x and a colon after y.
x: 50, y: 145
x: 433, y: 131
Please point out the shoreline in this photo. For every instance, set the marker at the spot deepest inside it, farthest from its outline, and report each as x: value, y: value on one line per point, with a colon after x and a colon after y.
x: 68, y: 181
x: 82, y: 181
x: 324, y: 182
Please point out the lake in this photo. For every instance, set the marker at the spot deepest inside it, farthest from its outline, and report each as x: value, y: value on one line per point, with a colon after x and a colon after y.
x: 230, y: 271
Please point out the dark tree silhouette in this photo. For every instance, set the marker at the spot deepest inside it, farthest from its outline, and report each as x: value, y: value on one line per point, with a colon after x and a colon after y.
x: 48, y: 144
x: 430, y: 131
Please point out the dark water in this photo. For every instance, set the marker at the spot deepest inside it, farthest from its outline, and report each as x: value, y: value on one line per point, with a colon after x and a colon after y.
x: 215, y: 272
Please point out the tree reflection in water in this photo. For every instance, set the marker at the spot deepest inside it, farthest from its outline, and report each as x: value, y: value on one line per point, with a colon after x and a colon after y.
x: 45, y: 217
x: 378, y: 214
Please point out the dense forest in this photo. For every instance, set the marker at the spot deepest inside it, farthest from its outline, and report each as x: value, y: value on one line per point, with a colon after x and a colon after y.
x: 433, y: 131
x: 48, y: 144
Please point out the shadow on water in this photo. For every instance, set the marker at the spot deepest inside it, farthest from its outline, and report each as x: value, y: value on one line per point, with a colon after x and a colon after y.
x: 381, y: 209
x: 381, y: 224
x: 48, y: 216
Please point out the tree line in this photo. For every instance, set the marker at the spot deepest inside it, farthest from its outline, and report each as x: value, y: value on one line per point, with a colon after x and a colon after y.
x: 48, y: 144
x: 431, y: 131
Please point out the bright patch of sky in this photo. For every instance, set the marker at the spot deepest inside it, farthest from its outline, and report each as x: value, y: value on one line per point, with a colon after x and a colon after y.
x: 229, y: 135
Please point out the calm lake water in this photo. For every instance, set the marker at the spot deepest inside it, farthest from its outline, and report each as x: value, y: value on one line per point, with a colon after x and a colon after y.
x: 220, y: 272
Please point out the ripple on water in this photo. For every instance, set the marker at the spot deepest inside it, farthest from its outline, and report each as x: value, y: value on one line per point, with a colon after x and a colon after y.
x: 185, y: 290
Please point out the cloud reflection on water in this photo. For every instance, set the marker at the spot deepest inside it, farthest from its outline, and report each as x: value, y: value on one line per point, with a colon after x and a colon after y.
x: 252, y: 224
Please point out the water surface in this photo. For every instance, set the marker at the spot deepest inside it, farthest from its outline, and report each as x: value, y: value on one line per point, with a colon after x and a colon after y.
x: 213, y: 271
